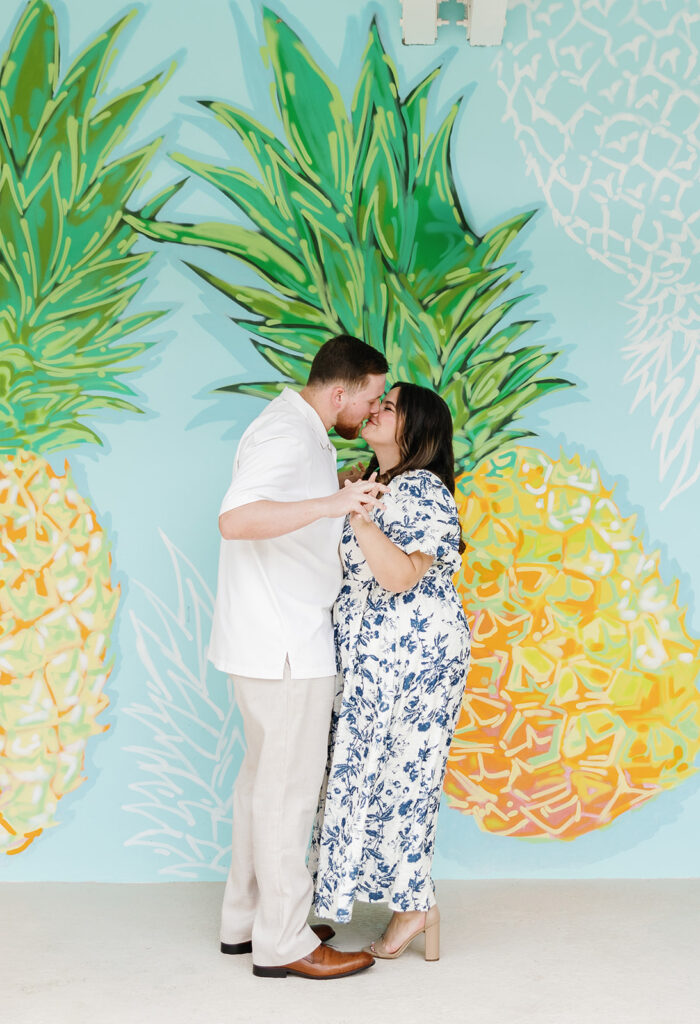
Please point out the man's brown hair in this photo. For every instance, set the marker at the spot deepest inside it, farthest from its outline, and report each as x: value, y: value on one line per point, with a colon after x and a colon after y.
x: 346, y: 360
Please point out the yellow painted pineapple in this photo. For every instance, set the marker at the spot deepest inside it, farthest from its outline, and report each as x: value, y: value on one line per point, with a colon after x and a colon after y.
x: 581, y: 701
x: 66, y: 279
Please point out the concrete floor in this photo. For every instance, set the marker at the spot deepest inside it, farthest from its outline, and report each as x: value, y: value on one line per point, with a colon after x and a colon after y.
x: 623, y: 952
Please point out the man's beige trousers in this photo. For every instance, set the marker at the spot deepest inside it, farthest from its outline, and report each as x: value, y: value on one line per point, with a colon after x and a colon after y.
x: 268, y: 891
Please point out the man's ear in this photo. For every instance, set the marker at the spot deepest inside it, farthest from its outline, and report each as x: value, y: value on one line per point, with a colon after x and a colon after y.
x: 337, y: 396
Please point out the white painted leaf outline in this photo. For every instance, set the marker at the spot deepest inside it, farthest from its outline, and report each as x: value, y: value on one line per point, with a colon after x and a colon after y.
x: 196, y: 740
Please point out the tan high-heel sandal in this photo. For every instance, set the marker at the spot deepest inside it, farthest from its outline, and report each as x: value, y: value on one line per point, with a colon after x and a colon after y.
x: 431, y: 928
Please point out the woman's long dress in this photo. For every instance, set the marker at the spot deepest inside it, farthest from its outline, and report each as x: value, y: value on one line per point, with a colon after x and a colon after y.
x: 403, y: 660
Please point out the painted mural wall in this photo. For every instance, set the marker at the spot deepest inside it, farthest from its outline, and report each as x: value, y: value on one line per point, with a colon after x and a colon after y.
x: 189, y: 206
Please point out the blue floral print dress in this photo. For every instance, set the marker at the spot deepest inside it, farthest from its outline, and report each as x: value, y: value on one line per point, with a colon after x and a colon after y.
x: 403, y: 660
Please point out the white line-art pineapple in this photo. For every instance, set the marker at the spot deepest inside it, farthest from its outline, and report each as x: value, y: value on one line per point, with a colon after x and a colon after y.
x: 194, y: 742
x: 605, y: 103
x: 581, y: 700
x: 66, y: 279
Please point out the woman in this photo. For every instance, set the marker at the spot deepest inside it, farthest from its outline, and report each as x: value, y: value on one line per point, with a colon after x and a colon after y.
x: 403, y: 650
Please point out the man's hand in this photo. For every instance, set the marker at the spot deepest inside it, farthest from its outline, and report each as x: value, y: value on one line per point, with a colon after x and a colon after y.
x: 356, y: 497
x: 363, y: 515
x: 351, y: 473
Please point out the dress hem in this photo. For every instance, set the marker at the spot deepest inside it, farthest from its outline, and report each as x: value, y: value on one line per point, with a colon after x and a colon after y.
x: 342, y: 918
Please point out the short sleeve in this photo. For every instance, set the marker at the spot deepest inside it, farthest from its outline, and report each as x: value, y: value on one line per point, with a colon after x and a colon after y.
x: 421, y: 515
x: 267, y: 469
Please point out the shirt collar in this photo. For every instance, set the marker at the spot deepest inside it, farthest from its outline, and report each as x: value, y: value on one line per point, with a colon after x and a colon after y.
x: 310, y: 414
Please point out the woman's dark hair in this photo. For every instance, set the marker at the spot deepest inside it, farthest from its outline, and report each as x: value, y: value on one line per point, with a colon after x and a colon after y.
x: 424, y: 435
x: 346, y: 360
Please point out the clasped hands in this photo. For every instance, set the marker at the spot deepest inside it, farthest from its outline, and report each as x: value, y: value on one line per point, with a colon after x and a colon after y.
x: 357, y: 498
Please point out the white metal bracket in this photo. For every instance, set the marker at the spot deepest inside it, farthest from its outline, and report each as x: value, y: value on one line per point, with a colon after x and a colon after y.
x: 420, y: 21
x: 485, y: 21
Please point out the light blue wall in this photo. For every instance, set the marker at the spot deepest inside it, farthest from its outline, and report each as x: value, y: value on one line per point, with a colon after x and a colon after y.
x: 166, y: 471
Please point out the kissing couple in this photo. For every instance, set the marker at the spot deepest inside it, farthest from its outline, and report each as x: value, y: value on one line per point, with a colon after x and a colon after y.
x: 337, y: 619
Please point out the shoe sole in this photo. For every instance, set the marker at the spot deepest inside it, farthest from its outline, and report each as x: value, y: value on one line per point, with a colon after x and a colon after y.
x: 282, y: 972
x: 236, y: 948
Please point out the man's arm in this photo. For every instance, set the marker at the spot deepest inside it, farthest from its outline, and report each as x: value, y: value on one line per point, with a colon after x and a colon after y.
x: 262, y: 520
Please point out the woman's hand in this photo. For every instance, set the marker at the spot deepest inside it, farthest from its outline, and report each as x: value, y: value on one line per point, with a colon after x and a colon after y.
x: 363, y: 515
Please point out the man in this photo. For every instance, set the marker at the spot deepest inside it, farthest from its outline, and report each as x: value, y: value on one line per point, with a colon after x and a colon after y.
x: 279, y: 575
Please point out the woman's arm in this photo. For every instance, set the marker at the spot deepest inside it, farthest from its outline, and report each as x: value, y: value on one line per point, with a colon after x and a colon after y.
x: 392, y: 568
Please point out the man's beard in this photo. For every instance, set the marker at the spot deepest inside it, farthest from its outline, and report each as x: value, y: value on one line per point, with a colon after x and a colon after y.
x: 348, y: 429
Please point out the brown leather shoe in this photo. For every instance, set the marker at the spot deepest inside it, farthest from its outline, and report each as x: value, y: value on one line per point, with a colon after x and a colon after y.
x: 321, y: 963
x: 324, y: 932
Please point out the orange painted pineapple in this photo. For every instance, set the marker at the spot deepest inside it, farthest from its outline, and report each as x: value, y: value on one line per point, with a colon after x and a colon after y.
x: 581, y: 701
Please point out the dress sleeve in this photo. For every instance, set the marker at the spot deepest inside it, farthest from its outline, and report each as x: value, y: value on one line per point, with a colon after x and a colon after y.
x: 422, y: 516
x: 268, y: 469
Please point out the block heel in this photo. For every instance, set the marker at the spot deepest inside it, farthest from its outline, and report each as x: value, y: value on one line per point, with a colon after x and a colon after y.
x: 432, y: 940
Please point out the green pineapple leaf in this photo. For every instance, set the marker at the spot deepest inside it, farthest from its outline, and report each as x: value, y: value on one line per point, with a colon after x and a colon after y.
x: 62, y: 126
x: 252, y: 197
x: 496, y: 241
x: 381, y: 157
x: 266, y: 389
x: 67, y: 272
x: 443, y: 241
x: 322, y: 144
x: 377, y: 91
x: 273, y: 264
x: 28, y: 78
x: 413, y: 111
x: 339, y: 280
x: 276, y: 309
x: 382, y: 205
x: 153, y: 207
x: 295, y: 368
x: 359, y: 228
x: 108, y: 128
x: 470, y: 343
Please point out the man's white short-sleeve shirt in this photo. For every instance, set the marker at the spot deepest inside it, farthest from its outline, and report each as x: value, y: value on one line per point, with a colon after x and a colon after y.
x: 274, y: 597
